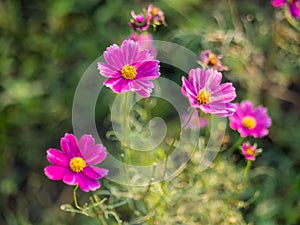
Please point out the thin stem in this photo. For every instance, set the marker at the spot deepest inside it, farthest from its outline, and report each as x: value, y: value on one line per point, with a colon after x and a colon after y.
x: 102, y: 220
x: 246, y: 172
x: 125, y: 129
x: 150, y: 182
x: 125, y: 120
x: 175, y: 139
x: 75, y: 198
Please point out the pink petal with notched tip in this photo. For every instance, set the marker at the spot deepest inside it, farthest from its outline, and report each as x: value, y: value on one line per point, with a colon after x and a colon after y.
x: 86, y: 184
x: 55, y: 172
x: 69, y: 146
x: 57, y: 158
x: 95, y: 172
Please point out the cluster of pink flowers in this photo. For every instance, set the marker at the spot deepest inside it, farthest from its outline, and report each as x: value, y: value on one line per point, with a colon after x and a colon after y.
x: 132, y: 66
x: 152, y: 15
x: 250, y: 121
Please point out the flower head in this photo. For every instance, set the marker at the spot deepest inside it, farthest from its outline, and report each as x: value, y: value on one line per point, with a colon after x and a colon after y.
x: 294, y: 6
x: 250, y: 121
x: 75, y: 163
x: 157, y: 15
x: 212, y: 60
x: 204, y: 91
x: 250, y: 151
x: 140, y: 21
x: 145, y: 41
x: 129, y: 68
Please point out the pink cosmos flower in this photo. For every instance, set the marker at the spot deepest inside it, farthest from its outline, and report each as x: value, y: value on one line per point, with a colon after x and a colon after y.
x: 204, y: 91
x: 157, y: 15
x: 294, y: 6
x: 75, y: 163
x: 129, y: 68
x: 250, y: 121
x: 212, y: 60
x: 145, y: 41
x: 195, y: 122
x: 140, y: 21
x: 249, y: 151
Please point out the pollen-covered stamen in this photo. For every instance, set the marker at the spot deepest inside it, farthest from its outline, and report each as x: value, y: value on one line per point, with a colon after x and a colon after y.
x: 204, y: 97
x: 77, y: 164
x: 129, y: 72
x: 249, y: 122
x: 250, y: 150
x: 212, y: 60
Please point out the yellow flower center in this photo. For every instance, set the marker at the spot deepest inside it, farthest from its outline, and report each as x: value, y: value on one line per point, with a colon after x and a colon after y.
x: 128, y: 72
x: 249, y: 122
x: 212, y: 60
x: 204, y: 97
x: 250, y: 151
x: 77, y: 164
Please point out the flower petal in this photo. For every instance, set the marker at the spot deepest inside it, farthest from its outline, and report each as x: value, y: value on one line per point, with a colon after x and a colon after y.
x: 55, y: 172
x: 129, y: 49
x: 188, y: 89
x: 95, y: 172
x: 57, y: 158
x: 106, y: 71
x: 295, y: 9
x: 86, y: 184
x: 69, y: 146
x: 85, y: 143
x: 278, y: 3
x: 95, y: 155
x: 70, y: 178
x: 148, y: 70
x: 113, y: 57
x: 118, y: 85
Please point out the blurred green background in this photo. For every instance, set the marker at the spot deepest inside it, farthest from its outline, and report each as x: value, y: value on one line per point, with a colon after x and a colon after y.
x: 46, y: 46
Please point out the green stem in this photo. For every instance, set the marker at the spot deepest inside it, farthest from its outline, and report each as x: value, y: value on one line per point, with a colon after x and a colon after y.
x: 175, y: 139
x: 75, y: 198
x: 125, y: 129
x: 246, y: 172
x: 102, y: 220
x: 234, y: 147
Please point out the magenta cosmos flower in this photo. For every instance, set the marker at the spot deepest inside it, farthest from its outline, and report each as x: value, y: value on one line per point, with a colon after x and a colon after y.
x: 129, y: 68
x: 145, y: 41
x: 140, y: 21
x: 294, y: 6
x: 249, y: 151
x: 75, y: 163
x: 204, y: 91
x: 212, y: 60
x: 250, y: 121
